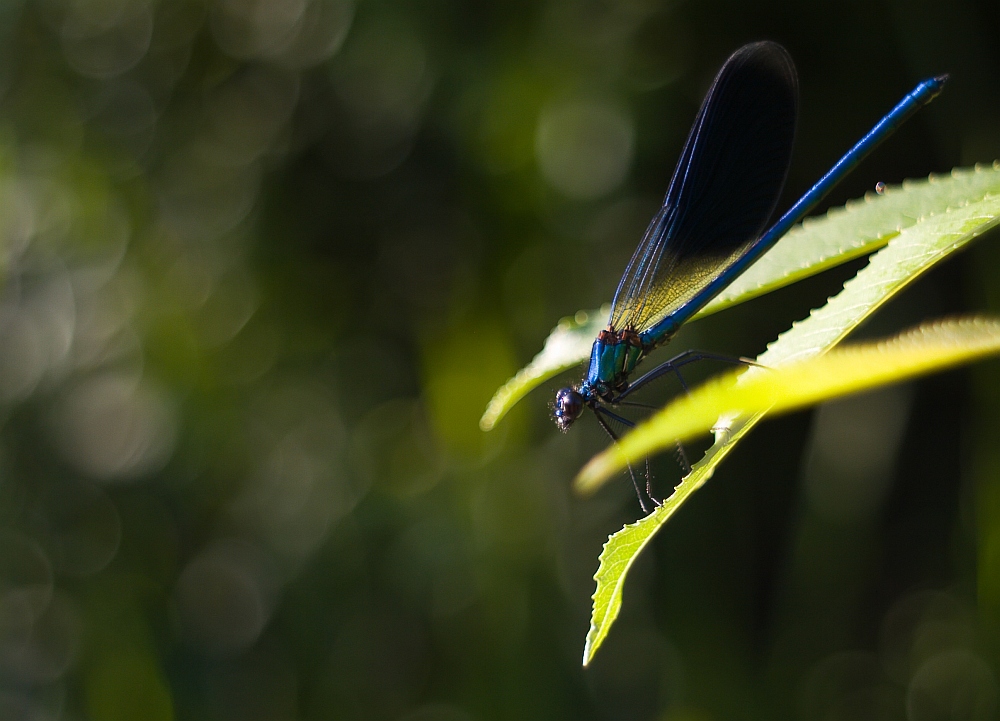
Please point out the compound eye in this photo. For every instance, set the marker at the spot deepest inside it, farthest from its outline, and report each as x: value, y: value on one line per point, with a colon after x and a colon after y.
x: 568, y: 407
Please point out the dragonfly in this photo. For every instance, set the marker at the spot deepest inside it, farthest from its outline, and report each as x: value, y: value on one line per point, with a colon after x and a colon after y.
x: 711, y: 226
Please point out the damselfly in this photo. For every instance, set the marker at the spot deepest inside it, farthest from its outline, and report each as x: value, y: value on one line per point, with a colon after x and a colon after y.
x: 711, y: 225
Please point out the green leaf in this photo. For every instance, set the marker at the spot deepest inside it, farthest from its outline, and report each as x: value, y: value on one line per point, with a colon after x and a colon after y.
x: 566, y: 345
x: 749, y: 397
x: 860, y: 227
x: 915, y: 249
x: 755, y: 391
x: 623, y: 547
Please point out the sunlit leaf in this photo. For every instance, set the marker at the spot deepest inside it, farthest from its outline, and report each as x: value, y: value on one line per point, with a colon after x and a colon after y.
x: 916, y: 249
x: 860, y: 227
x: 796, y: 385
x: 566, y: 345
x: 844, y: 233
x: 623, y: 547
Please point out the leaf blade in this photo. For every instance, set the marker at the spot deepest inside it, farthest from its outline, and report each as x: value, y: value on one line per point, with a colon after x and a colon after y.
x: 567, y: 343
x: 964, y: 340
x: 891, y: 269
x: 858, y: 228
x: 800, y: 384
x: 610, y: 575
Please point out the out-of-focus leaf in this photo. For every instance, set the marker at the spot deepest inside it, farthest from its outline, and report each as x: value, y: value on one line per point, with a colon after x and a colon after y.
x: 791, y: 387
x: 916, y: 249
x: 844, y: 233
x: 566, y: 345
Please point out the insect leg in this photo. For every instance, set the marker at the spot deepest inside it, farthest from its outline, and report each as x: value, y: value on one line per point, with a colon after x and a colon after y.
x: 674, y: 364
x: 614, y: 437
x: 615, y: 417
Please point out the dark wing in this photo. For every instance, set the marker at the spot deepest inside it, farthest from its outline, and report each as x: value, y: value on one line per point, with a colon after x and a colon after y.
x: 723, y: 191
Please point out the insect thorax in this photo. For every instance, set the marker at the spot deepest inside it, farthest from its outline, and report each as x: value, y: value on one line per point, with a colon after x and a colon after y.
x: 613, y: 357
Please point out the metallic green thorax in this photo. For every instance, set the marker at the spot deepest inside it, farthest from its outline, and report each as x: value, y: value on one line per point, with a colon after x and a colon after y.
x: 612, y: 359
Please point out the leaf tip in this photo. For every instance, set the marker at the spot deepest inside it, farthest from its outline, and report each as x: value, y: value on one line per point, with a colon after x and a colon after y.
x: 495, y: 409
x: 586, y: 481
x: 596, y: 471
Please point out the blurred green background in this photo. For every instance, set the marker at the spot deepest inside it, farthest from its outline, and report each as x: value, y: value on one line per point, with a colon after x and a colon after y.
x: 264, y: 263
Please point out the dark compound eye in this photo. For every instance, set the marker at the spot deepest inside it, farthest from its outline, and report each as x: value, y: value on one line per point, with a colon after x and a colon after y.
x: 567, y: 408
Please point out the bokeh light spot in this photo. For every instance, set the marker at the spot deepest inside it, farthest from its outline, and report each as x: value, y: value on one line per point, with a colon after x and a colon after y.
x: 396, y: 450
x: 255, y: 28
x: 248, y: 112
x: 322, y: 30
x: 584, y: 147
x: 105, y: 38
x: 202, y: 197
x: 114, y: 429
x: 26, y: 578
x: 382, y: 78
x: 224, y: 598
x: 854, y: 446
x: 22, y: 360
x: 848, y: 686
x: 38, y: 649
x: 952, y: 686
x: 84, y: 528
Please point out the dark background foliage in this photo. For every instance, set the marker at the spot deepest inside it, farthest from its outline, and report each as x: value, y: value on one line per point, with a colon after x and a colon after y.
x: 264, y: 263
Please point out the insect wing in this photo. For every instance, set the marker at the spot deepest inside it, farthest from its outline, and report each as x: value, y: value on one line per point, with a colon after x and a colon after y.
x: 724, y: 189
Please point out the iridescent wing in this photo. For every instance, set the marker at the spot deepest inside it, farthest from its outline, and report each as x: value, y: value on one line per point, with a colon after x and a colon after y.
x: 723, y: 191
